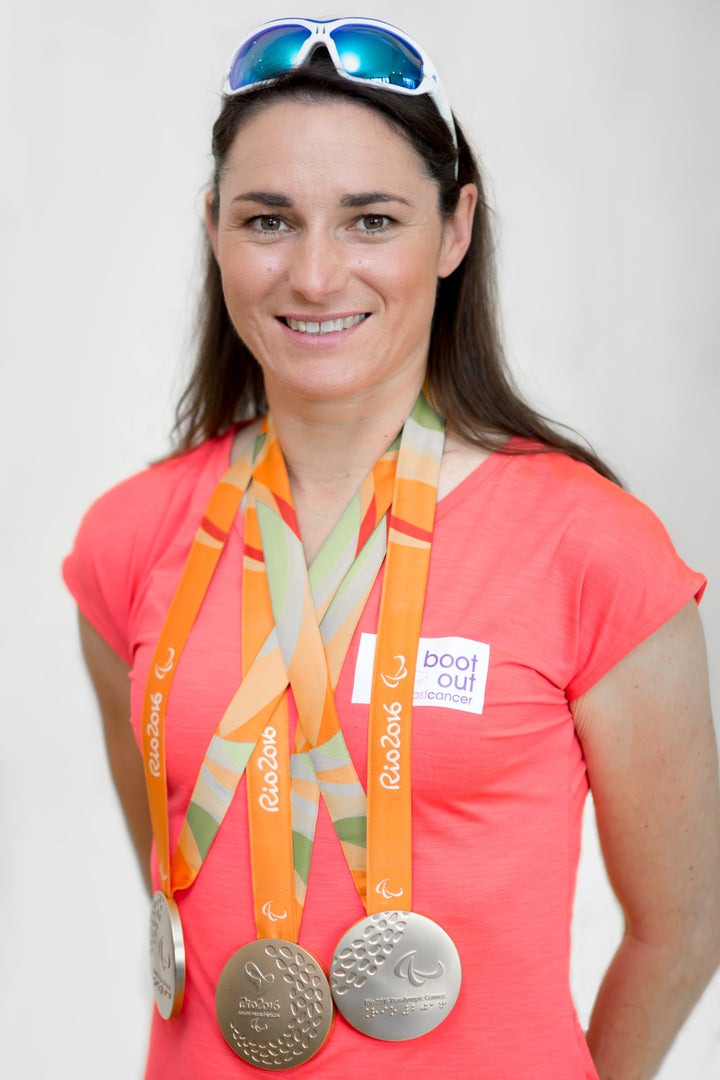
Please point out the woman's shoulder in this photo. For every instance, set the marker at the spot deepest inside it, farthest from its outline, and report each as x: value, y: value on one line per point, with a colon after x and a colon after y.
x: 566, y: 504
x: 603, y: 553
x: 166, y: 486
x: 554, y: 478
x: 127, y: 529
x: 528, y: 472
x: 601, y: 528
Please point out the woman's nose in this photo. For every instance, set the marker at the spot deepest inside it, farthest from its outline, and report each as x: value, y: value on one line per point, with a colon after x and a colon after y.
x: 318, y: 267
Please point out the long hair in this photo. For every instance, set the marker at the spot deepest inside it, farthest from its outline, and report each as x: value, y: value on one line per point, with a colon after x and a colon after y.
x: 468, y: 380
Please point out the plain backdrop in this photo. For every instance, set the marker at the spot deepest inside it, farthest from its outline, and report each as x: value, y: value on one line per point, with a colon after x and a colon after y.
x: 597, y: 121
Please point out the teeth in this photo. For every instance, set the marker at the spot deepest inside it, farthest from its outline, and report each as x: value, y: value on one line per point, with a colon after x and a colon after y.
x: 328, y: 327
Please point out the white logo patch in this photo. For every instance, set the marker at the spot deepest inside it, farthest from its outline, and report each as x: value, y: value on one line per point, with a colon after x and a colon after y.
x: 451, y: 673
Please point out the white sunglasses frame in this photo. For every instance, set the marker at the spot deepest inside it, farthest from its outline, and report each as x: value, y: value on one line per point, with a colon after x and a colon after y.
x: 320, y: 34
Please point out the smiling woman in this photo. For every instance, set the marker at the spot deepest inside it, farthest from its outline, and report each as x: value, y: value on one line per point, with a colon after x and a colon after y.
x: 324, y: 214
x: 386, y: 627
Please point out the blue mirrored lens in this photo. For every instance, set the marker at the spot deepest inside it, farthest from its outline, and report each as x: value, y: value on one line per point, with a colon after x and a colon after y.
x: 266, y: 56
x: 378, y: 56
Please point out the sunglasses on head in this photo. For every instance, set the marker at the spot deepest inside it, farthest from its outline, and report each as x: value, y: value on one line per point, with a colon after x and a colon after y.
x: 362, y: 50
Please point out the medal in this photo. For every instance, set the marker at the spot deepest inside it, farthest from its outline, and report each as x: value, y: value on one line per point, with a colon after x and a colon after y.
x: 395, y: 975
x: 273, y: 1004
x: 167, y: 956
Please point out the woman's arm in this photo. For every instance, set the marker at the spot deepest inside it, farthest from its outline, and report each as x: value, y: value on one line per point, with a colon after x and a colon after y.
x: 646, y: 730
x: 110, y: 678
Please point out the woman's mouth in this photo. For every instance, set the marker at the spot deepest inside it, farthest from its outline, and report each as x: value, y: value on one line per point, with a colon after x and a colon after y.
x: 326, y: 326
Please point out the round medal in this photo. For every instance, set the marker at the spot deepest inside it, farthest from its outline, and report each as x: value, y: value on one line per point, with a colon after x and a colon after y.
x: 167, y: 955
x: 395, y: 975
x: 273, y: 1004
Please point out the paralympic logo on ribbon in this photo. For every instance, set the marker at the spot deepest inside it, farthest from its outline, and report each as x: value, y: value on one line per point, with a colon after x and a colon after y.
x: 393, y: 681
x: 383, y: 889
x: 272, y: 915
x: 162, y: 670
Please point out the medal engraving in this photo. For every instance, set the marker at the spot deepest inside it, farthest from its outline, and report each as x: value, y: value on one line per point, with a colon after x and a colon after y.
x: 395, y: 975
x: 167, y: 956
x: 273, y: 1004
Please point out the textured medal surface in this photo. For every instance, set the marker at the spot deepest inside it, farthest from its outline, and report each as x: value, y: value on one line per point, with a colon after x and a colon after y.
x: 395, y: 975
x: 273, y: 1004
x: 167, y: 956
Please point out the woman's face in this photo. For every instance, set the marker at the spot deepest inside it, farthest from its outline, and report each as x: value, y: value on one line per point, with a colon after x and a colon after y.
x: 330, y: 246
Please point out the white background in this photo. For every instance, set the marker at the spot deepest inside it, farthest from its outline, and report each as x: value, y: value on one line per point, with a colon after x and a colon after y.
x: 598, y: 123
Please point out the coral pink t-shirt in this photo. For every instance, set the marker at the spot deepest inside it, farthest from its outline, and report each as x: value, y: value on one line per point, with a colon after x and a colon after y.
x: 543, y: 575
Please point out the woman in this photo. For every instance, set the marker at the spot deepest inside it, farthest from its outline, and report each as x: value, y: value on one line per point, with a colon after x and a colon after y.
x: 538, y: 629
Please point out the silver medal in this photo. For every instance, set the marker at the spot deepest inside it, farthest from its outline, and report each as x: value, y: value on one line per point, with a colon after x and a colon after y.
x: 395, y: 975
x: 167, y: 956
x: 273, y: 1004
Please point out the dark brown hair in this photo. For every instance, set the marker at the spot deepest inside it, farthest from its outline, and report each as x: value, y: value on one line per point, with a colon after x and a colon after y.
x: 467, y: 379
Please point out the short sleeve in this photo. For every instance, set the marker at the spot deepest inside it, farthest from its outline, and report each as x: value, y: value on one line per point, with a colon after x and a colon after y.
x: 632, y: 580
x: 100, y: 569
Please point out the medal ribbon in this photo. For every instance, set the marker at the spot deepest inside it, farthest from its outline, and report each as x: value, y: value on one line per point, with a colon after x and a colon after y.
x: 282, y: 821
x: 335, y: 591
x: 313, y: 656
x: 198, y: 571
x: 389, y: 862
x: 260, y: 700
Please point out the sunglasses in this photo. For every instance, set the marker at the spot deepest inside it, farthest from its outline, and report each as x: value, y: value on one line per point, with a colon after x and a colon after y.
x: 362, y: 50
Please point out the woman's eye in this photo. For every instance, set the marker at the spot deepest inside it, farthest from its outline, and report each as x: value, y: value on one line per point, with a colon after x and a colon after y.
x: 373, y: 222
x: 267, y: 223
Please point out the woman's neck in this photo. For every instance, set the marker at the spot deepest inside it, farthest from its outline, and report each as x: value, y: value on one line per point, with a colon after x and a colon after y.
x: 327, y: 442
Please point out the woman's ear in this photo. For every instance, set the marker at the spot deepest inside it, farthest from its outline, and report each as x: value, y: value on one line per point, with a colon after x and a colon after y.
x: 211, y: 221
x: 458, y: 232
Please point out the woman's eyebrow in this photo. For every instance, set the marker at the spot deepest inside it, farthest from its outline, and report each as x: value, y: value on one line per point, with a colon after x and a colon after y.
x: 365, y: 198
x: 265, y: 198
